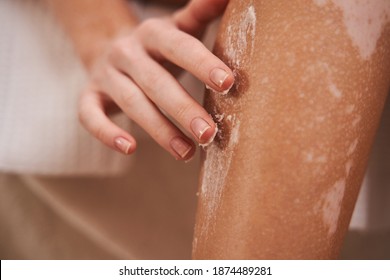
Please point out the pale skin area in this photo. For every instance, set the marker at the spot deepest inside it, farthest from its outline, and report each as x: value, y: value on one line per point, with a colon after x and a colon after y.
x: 306, y: 108
x: 133, y: 66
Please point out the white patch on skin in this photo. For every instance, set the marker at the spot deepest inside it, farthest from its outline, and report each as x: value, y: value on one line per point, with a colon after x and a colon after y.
x: 331, y: 205
x: 234, y: 134
x: 334, y: 90
x: 364, y: 21
x: 237, y: 37
x: 328, y: 74
x: 311, y: 158
x: 352, y: 147
x: 348, y: 167
x: 216, y: 168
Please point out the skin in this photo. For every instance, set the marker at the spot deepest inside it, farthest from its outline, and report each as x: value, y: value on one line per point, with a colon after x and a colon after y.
x: 282, y: 178
x: 133, y: 67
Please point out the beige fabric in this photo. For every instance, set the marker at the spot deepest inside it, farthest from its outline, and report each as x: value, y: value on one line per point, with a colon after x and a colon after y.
x: 147, y: 214
x: 40, y: 79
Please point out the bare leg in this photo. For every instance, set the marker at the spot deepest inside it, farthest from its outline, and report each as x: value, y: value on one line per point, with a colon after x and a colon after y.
x: 281, y: 180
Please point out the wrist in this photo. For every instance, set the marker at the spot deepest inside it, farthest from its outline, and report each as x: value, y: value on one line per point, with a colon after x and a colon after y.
x: 91, y: 47
x: 92, y: 24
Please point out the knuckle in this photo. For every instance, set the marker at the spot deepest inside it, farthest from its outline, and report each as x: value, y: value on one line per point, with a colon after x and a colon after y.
x: 106, y: 79
x: 129, y: 98
x: 204, y: 62
x: 171, y: 49
x: 153, y: 85
x: 159, y: 133
x: 150, y: 26
x: 184, y: 41
x: 102, y: 80
x: 178, y: 41
x: 116, y: 49
x: 100, y: 75
x: 202, y: 55
x: 183, y: 110
x: 122, y: 49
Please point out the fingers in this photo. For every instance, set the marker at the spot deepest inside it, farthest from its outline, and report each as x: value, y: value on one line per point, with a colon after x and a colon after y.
x: 140, y: 109
x: 94, y: 119
x: 185, y: 51
x: 190, y: 54
x: 195, y: 16
x: 133, y: 79
x: 164, y: 90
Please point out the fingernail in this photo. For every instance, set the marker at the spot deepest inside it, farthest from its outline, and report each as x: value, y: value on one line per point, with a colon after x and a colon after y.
x: 199, y: 126
x: 211, y: 139
x: 123, y: 145
x: 218, y: 76
x: 181, y: 147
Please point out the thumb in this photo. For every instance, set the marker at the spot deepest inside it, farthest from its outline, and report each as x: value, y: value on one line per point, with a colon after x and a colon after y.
x: 197, y: 14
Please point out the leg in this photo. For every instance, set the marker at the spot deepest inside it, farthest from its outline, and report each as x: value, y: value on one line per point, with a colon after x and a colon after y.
x: 282, y: 178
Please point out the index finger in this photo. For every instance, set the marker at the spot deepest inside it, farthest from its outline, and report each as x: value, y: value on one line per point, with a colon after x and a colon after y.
x: 190, y: 54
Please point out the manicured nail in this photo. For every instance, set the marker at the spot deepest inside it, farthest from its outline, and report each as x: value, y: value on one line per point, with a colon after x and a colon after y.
x: 123, y: 145
x: 199, y: 126
x: 211, y: 139
x: 181, y: 147
x: 218, y: 76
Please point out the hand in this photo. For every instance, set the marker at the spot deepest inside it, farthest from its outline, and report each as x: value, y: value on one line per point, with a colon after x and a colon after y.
x: 131, y: 76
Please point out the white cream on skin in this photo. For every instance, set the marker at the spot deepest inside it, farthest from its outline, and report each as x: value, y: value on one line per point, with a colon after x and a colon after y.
x: 241, y: 37
x: 364, y: 21
x: 216, y: 168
